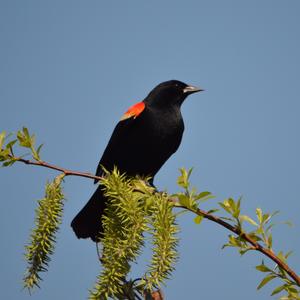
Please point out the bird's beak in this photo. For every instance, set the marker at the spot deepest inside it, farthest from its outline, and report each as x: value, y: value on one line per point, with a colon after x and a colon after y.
x: 190, y: 89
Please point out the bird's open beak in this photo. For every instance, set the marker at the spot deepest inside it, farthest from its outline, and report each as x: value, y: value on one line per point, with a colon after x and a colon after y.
x: 190, y: 89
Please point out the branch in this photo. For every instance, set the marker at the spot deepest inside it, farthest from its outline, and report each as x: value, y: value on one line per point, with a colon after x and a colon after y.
x: 256, y: 246
x: 67, y: 172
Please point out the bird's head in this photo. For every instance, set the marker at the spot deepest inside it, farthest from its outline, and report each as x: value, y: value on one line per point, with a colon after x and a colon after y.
x: 169, y: 93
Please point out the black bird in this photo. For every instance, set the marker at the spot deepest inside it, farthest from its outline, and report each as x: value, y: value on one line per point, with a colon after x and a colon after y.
x: 143, y: 140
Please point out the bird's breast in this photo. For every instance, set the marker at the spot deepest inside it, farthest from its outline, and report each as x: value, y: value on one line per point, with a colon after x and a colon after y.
x: 165, y: 129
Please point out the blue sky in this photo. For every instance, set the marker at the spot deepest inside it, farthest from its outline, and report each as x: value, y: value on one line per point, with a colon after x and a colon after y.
x: 69, y: 69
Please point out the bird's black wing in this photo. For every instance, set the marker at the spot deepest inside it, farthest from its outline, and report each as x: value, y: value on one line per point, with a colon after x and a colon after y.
x: 117, y: 146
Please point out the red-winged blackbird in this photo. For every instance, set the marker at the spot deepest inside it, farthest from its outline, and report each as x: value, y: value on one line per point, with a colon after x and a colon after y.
x: 146, y: 136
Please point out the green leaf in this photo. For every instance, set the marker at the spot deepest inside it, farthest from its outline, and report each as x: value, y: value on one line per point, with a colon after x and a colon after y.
x: 231, y: 203
x: 24, y: 138
x: 263, y: 268
x: 182, y: 180
x: 198, y: 219
x: 8, y: 163
x: 267, y: 279
x: 203, y: 196
x: 239, y: 203
x: 190, y: 172
x: 10, y: 144
x: 4, y: 155
x: 292, y: 290
x: 234, y: 241
x: 35, y: 155
x: 32, y: 140
x: 2, y: 138
x: 26, y: 132
x: 39, y: 149
x: 225, y: 206
x: 259, y: 214
x: 248, y: 219
x: 243, y: 251
x: 266, y: 218
x: 278, y: 289
x: 184, y: 200
x: 270, y: 241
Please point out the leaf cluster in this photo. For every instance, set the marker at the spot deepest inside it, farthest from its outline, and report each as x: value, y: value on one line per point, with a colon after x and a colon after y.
x: 124, y: 222
x: 24, y: 139
x: 164, y: 232
x: 6, y: 153
x: 48, y: 216
x: 28, y: 141
x: 261, y: 233
x: 134, y: 208
x: 288, y: 286
x: 189, y: 198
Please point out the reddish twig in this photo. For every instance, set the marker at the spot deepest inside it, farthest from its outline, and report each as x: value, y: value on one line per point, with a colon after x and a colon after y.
x: 53, y: 167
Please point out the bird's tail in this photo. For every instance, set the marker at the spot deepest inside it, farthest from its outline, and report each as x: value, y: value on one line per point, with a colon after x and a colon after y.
x: 88, y: 223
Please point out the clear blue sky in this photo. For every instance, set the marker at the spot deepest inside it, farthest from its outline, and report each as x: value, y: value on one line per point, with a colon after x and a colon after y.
x: 69, y: 69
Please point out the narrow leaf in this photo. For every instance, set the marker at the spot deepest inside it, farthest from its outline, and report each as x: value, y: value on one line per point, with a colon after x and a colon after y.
x: 26, y: 132
x: 10, y: 144
x: 243, y: 251
x: 266, y: 280
x: 262, y: 268
x: 278, y: 289
x: 248, y: 219
x: 182, y: 180
x: 270, y: 241
x: 259, y: 214
x: 39, y: 149
x: 202, y: 195
x: 2, y: 138
x: 266, y: 218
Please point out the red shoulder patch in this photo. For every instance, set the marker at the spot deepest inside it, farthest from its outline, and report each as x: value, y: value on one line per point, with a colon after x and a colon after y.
x: 134, y: 111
